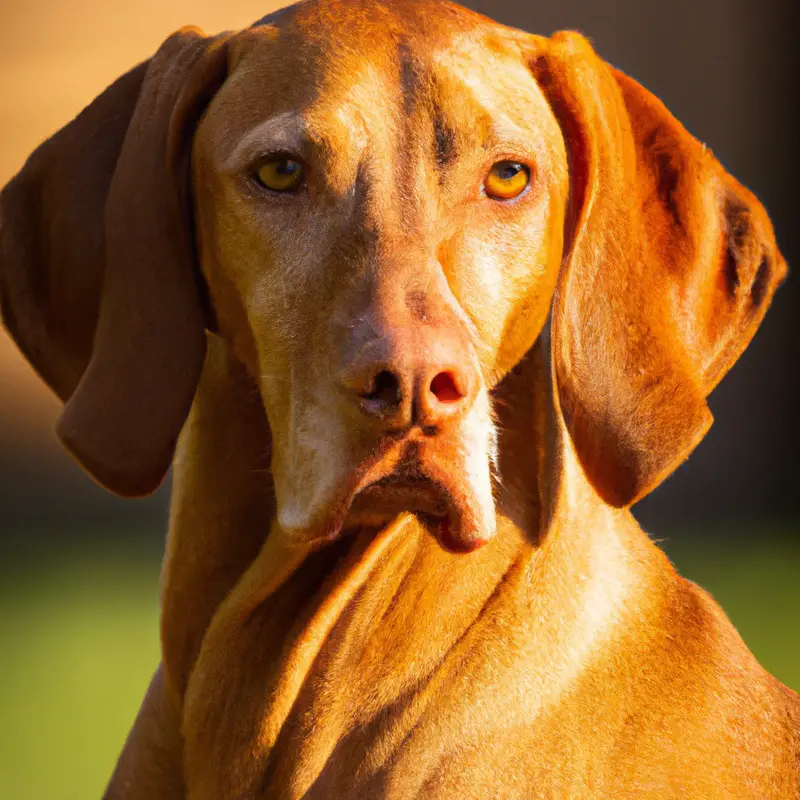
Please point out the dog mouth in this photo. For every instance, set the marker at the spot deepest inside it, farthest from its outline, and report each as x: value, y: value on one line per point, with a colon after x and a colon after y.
x: 446, y: 481
x: 435, y: 504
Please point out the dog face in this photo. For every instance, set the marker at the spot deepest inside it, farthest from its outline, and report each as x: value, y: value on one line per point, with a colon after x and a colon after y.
x: 384, y: 202
x: 380, y: 296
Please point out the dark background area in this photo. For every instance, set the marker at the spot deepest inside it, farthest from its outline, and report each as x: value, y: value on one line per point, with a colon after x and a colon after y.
x: 78, y: 568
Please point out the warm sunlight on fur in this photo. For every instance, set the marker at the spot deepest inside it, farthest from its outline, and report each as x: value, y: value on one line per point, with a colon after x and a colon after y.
x: 408, y: 406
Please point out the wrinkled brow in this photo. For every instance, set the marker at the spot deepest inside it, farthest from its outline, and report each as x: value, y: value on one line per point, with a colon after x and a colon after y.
x: 285, y: 132
x: 444, y: 140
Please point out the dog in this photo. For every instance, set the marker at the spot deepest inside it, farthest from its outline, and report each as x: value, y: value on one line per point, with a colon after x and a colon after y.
x: 416, y: 305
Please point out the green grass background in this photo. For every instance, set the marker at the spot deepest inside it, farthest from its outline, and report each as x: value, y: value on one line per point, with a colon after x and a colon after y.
x: 79, y: 641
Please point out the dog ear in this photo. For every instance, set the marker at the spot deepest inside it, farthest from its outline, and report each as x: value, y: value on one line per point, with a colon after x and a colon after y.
x: 98, y: 284
x: 669, y: 267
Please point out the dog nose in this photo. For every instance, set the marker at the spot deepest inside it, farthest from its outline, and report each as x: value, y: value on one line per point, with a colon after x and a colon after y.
x: 399, y: 393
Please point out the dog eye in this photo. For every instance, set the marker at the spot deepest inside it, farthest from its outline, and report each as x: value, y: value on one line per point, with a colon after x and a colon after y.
x: 507, y: 180
x: 281, y: 174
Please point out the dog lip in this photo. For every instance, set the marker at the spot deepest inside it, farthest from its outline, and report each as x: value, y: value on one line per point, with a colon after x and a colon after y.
x: 398, y: 492
x: 442, y: 529
x: 429, y: 499
x: 374, y: 497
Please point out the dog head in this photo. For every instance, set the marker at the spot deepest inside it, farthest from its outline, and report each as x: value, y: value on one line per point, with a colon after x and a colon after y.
x: 378, y: 206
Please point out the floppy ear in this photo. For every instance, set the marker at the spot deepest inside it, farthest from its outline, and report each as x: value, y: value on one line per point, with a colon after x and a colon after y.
x: 669, y: 269
x: 97, y: 278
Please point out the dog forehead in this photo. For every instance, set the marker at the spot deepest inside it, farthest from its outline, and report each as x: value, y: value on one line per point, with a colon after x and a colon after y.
x: 336, y: 16
x: 367, y: 66
x: 333, y: 36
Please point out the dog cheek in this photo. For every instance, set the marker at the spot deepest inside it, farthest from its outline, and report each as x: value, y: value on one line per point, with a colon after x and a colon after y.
x: 476, y: 459
x: 503, y: 276
x: 312, y: 470
x: 531, y: 263
x: 481, y: 460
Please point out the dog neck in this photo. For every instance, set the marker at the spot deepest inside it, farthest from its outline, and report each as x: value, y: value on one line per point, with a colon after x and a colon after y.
x: 372, y: 624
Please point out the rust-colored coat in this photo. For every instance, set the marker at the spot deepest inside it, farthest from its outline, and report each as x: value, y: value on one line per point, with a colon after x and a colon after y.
x: 414, y: 415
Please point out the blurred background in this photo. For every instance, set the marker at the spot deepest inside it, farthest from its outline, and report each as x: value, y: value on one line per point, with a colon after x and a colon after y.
x: 79, y: 569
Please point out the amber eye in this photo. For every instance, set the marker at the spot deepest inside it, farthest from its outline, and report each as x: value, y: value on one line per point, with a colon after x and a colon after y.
x: 507, y: 180
x: 281, y: 174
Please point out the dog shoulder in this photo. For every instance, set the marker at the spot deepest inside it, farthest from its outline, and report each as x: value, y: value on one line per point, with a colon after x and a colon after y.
x: 747, y: 717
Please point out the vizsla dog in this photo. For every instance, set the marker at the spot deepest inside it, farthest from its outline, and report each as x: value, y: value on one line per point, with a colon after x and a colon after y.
x: 431, y: 302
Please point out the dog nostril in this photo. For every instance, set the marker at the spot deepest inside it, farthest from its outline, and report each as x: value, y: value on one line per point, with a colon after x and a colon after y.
x: 386, y: 390
x: 444, y: 389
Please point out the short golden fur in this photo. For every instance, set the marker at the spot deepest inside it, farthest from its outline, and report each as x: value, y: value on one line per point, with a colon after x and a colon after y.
x: 316, y: 644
